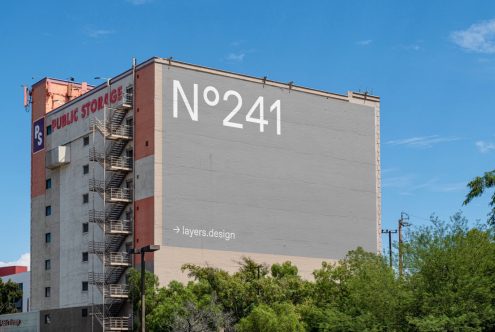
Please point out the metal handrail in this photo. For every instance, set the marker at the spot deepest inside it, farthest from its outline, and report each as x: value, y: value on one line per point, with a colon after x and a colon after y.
x: 119, y: 290
x: 117, y: 322
x: 120, y: 226
x: 118, y: 258
x: 120, y: 162
x: 112, y: 129
x: 122, y: 130
x: 120, y: 193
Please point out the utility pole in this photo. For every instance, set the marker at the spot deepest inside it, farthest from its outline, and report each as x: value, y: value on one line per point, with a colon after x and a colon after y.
x: 389, y: 232
x: 402, y: 223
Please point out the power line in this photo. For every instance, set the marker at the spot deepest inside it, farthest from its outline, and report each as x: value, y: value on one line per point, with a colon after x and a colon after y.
x: 389, y: 232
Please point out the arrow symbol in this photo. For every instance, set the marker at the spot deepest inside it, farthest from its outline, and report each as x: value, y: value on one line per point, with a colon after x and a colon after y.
x: 177, y: 229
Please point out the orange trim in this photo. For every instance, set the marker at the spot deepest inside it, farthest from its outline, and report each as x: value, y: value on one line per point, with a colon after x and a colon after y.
x: 39, y: 108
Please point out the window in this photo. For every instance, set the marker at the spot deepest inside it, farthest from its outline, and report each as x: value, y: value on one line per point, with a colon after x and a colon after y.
x: 48, y: 210
x: 85, y: 198
x: 48, y: 130
x: 85, y: 140
x: 18, y: 300
x: 47, y: 291
x: 85, y: 169
x: 84, y: 312
x: 48, y: 237
x: 84, y: 286
x: 48, y: 183
x: 48, y: 264
x: 48, y: 319
x: 85, y: 227
x: 85, y: 256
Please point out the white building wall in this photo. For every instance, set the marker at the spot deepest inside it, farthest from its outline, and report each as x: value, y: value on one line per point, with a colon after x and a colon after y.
x: 72, y: 185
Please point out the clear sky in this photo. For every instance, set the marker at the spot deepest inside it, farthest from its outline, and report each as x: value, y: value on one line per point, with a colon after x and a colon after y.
x: 431, y: 62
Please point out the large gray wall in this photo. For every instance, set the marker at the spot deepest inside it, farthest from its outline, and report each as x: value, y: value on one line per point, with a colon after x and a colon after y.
x: 309, y: 191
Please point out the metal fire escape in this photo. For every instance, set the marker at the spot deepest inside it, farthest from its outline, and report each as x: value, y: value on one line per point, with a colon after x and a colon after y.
x: 115, y: 220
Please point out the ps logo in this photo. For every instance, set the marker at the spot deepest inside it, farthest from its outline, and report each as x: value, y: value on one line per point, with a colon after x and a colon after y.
x: 38, y: 133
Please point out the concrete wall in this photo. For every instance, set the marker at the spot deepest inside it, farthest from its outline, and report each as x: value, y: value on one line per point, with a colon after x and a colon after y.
x: 312, y: 191
x: 70, y: 124
x: 306, y: 195
x: 68, y: 319
x: 20, y: 322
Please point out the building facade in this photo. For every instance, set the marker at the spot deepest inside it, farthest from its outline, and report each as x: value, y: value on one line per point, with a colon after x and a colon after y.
x: 210, y: 165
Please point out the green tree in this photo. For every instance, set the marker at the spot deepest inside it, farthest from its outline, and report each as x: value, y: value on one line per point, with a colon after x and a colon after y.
x: 359, y: 293
x: 9, y: 294
x: 151, y: 291
x: 278, y: 317
x: 448, y: 285
x: 451, y: 274
x: 478, y: 186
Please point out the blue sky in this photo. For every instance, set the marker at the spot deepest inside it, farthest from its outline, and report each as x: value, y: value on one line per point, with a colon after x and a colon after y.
x: 432, y: 64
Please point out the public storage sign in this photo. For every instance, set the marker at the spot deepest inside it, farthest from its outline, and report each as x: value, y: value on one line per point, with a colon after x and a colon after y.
x: 38, y: 135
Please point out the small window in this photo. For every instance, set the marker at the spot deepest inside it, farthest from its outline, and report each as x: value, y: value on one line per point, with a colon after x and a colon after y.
x: 48, y: 210
x: 85, y: 140
x: 85, y: 227
x: 84, y: 312
x: 48, y: 237
x: 84, y: 286
x: 47, y: 291
x: 48, y: 183
x: 48, y: 264
x: 85, y: 169
x: 48, y: 130
x: 48, y: 319
x: 85, y: 198
x: 85, y: 256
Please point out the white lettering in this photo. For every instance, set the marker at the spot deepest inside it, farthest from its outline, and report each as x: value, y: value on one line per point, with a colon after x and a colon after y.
x: 249, y: 118
x: 226, y: 121
x: 38, y: 134
x: 193, y: 112
x: 211, y: 97
x: 276, y: 105
x: 213, y: 102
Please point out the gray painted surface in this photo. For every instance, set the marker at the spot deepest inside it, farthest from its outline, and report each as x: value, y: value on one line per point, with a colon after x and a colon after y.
x: 144, y: 178
x: 68, y: 319
x: 20, y: 322
x: 307, y: 192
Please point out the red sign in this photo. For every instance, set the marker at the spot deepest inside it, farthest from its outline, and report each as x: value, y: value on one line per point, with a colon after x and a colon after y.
x: 10, y: 322
x: 92, y: 106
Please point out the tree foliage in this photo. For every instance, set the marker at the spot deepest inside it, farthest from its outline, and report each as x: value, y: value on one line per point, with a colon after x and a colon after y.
x: 448, y: 285
x: 9, y: 294
x: 452, y: 277
x: 478, y: 186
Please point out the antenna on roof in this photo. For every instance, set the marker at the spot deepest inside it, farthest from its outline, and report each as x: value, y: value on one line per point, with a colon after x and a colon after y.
x: 27, y: 97
x: 291, y: 83
x: 264, y: 80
